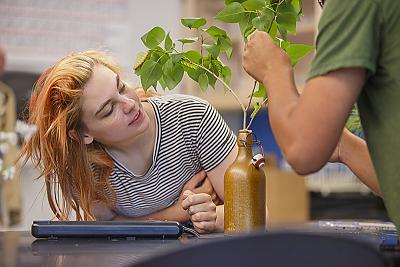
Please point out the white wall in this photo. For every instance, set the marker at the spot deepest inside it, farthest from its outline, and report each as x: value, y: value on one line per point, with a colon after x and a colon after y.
x: 143, y: 15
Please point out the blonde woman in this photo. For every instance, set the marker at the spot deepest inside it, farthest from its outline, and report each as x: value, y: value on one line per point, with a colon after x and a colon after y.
x: 113, y: 157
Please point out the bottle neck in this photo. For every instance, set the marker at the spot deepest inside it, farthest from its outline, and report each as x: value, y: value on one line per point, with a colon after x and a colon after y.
x: 245, y: 144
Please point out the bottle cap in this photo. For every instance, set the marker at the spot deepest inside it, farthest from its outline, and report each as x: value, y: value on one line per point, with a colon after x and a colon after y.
x: 258, y: 161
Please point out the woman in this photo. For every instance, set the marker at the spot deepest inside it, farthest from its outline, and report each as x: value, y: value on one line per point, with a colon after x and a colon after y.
x: 112, y: 156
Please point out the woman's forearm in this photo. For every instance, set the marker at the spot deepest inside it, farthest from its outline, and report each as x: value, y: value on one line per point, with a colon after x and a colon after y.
x: 172, y: 213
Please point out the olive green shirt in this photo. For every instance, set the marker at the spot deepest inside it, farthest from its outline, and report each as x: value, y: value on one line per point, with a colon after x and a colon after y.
x: 366, y: 33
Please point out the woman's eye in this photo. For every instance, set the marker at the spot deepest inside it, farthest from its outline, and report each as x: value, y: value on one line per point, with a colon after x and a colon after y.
x: 122, y: 89
x: 109, y: 113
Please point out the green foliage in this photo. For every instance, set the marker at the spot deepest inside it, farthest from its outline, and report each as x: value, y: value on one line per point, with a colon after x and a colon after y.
x: 193, y: 23
x: 354, y: 123
x: 164, y: 64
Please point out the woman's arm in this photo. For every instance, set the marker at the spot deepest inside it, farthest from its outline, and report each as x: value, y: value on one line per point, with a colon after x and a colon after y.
x: 353, y: 152
x: 216, y: 175
x: 199, y: 183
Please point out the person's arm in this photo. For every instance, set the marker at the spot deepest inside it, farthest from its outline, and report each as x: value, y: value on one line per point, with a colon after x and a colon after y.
x: 199, y: 183
x: 216, y: 175
x: 307, y: 127
x: 353, y: 152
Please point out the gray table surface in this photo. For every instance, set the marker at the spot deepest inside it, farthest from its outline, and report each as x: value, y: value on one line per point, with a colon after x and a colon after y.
x: 19, y: 249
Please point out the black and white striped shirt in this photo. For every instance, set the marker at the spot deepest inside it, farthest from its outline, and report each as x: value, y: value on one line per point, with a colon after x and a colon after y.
x: 191, y: 136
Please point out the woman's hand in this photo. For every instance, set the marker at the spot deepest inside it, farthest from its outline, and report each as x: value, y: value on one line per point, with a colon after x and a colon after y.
x: 202, y: 211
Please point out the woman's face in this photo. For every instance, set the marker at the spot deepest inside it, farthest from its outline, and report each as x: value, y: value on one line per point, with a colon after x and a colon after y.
x: 112, y: 112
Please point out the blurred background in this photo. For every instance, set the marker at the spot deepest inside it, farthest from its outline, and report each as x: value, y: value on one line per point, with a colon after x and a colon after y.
x: 34, y: 34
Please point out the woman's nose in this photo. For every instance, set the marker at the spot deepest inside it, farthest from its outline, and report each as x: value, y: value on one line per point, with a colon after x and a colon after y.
x: 128, y: 105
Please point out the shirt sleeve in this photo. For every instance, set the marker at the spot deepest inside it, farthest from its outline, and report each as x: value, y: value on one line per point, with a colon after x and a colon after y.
x: 214, y: 140
x: 349, y: 36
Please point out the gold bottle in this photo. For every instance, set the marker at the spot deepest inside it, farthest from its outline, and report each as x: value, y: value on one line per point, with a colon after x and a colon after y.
x: 244, y: 186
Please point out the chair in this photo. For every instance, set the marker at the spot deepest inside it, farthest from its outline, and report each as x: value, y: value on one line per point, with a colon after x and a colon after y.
x: 273, y: 249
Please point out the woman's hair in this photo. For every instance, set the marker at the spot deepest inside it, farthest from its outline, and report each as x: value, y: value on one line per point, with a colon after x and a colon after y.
x: 75, y: 173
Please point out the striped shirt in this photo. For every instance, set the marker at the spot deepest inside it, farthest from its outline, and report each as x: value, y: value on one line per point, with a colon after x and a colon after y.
x: 191, y: 136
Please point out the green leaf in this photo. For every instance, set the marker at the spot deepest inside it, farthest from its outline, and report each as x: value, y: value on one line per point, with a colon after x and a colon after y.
x: 216, y: 67
x: 226, y: 74
x: 162, y: 82
x: 261, y: 91
x: 140, y: 59
x: 297, y: 5
x: 287, y: 7
x: 153, y: 38
x: 203, y: 82
x: 273, y: 30
x: 193, y: 23
x: 297, y: 51
x: 211, y: 79
x: 168, y: 44
x: 194, y: 73
x: 188, y: 40
x: 231, y: 13
x: 245, y: 25
x: 282, y: 32
x: 212, y: 49
x: 173, y: 74
x: 253, y: 5
x: 263, y: 22
x: 282, y: 43
x: 193, y: 56
x: 257, y: 107
x: 287, y: 20
x: 215, y: 32
x: 177, y: 57
x: 225, y: 45
x: 151, y: 72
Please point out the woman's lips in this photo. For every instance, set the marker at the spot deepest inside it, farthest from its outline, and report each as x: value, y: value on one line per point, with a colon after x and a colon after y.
x: 137, y: 119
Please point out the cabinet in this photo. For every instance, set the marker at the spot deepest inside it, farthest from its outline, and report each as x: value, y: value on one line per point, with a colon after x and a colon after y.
x: 241, y: 82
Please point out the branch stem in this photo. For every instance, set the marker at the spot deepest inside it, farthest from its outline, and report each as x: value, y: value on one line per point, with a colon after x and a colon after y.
x: 251, y: 120
x: 223, y: 83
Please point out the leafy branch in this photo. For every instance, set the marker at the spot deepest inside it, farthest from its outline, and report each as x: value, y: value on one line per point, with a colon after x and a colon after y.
x: 165, y: 65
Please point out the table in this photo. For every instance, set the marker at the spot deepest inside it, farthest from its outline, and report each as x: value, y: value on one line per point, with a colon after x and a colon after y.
x: 18, y: 249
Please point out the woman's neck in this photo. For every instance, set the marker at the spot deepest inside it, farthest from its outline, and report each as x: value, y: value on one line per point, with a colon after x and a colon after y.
x: 137, y: 155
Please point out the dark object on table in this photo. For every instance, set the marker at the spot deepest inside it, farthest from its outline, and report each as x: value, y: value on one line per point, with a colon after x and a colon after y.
x: 274, y: 249
x: 110, y: 229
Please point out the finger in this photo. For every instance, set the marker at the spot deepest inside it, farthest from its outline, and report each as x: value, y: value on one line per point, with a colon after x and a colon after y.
x: 203, y: 216
x: 186, y: 193
x: 203, y: 207
x: 195, y: 199
x: 204, y: 227
x: 214, y: 197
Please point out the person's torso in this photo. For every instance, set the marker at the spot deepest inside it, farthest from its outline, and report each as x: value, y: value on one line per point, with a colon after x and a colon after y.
x: 175, y: 160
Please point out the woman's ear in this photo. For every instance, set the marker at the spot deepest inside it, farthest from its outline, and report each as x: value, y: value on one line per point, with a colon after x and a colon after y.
x: 87, y: 139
